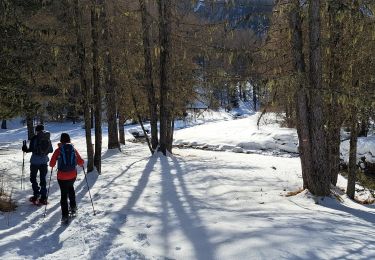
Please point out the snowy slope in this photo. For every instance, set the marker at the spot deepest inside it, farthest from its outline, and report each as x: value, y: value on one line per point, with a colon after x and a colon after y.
x: 193, y: 205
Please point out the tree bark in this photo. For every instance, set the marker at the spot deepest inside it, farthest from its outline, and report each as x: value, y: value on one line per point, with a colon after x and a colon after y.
x: 135, y: 104
x: 350, y: 190
x: 121, y: 122
x: 301, y: 98
x: 170, y: 134
x: 96, y: 83
x: 165, y: 14
x: 353, y: 94
x: 92, y: 115
x: 318, y: 178
x: 149, y: 84
x: 30, y: 126
x: 110, y: 97
x: 255, y: 99
x: 333, y: 110
x: 84, y: 86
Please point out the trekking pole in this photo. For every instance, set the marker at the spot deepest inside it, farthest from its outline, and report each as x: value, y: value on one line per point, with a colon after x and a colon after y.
x: 23, y: 168
x: 49, y: 184
x: 83, y: 167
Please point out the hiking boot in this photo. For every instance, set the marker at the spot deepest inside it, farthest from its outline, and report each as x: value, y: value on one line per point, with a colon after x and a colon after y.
x: 43, y: 201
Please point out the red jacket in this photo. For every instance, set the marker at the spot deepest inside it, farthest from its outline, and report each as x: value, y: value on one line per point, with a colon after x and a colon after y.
x: 65, y: 175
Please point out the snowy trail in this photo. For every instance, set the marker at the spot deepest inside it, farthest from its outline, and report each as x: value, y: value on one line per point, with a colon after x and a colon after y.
x: 195, y: 205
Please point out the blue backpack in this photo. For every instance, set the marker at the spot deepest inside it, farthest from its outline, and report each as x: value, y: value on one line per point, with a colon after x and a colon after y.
x: 67, y: 160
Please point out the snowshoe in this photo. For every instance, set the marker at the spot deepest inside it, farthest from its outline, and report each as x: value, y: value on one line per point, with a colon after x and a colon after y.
x: 73, y: 212
x: 65, y: 220
x: 34, y: 200
x: 42, y: 202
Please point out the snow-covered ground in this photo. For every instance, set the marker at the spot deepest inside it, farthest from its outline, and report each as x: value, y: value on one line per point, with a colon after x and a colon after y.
x: 365, y: 148
x: 240, y: 135
x: 193, y: 205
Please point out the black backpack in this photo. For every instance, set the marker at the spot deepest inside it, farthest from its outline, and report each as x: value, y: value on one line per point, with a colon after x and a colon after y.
x: 67, y: 160
x: 42, y: 143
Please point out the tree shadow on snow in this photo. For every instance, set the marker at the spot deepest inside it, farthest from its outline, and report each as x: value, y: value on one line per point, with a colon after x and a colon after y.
x: 185, y: 210
x: 99, y: 252
x: 364, y: 215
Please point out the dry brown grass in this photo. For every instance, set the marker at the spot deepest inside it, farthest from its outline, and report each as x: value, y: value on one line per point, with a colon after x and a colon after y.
x: 7, y: 205
x: 294, y: 193
x: 6, y: 202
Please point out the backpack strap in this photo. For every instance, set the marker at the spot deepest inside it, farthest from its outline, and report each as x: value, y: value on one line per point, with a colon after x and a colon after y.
x: 63, y: 154
x: 72, y: 156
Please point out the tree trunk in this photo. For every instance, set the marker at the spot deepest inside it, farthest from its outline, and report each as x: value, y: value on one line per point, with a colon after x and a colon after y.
x: 353, y: 96
x: 302, y: 110
x: 84, y: 86
x: 92, y: 116
x: 3, y: 124
x: 364, y: 127
x: 244, y: 93
x: 135, y: 104
x: 121, y: 122
x: 170, y: 134
x: 240, y: 91
x: 30, y: 126
x: 96, y: 81
x: 151, y: 95
x: 350, y: 190
x: 333, y: 109
x: 255, y: 99
x: 319, y: 178
x: 165, y: 14
x: 110, y: 97
x: 333, y: 146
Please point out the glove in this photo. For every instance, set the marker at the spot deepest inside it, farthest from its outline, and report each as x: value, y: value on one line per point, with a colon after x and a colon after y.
x: 24, y: 147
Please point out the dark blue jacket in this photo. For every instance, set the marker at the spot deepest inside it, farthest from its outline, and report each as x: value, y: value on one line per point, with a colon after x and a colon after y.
x: 37, y: 159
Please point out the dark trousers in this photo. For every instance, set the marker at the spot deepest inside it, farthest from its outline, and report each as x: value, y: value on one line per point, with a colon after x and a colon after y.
x: 42, y: 190
x: 67, y: 190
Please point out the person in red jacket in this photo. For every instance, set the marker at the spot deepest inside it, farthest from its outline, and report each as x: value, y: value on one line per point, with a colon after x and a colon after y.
x: 67, y: 158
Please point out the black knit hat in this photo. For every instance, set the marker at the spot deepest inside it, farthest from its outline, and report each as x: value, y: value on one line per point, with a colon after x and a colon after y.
x: 39, y: 128
x: 65, y: 138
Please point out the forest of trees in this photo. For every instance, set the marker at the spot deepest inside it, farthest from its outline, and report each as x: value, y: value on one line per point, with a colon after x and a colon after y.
x: 131, y: 59
x: 322, y: 56
x: 112, y: 61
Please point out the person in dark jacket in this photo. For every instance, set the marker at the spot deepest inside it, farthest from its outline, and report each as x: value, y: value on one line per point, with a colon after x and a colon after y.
x: 67, y: 158
x: 40, y: 147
